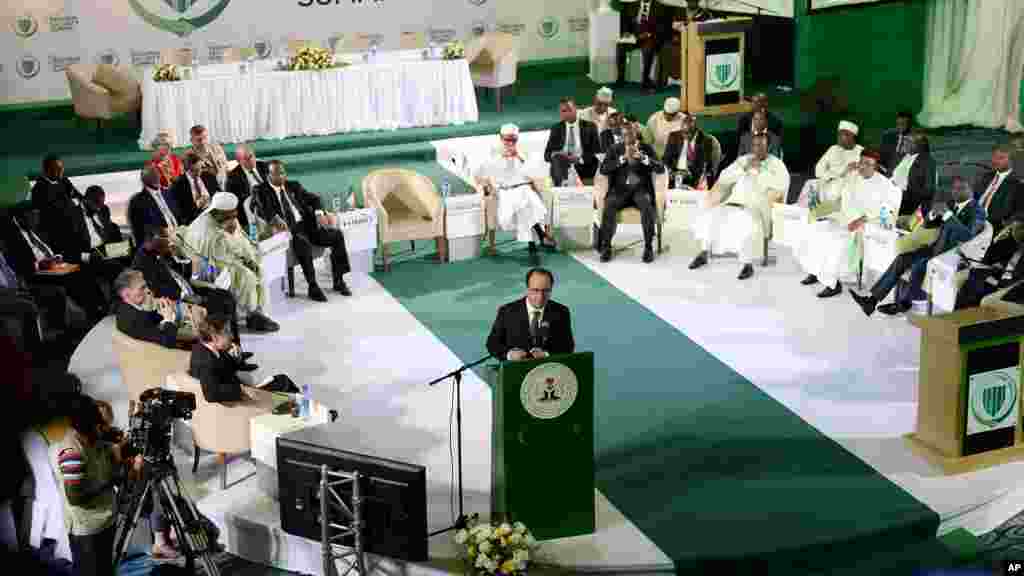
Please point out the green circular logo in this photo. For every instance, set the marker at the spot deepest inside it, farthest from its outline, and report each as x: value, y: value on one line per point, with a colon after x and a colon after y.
x: 724, y: 75
x: 28, y: 66
x: 25, y: 25
x: 149, y: 10
x: 992, y: 403
x: 548, y: 28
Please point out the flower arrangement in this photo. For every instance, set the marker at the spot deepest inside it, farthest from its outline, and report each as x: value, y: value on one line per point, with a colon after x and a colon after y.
x: 454, y: 51
x: 311, y: 58
x: 166, y: 73
x: 503, y: 549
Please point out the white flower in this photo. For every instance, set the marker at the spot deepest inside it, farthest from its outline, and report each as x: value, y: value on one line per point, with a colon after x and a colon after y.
x: 485, y: 547
x: 504, y: 529
x: 461, y: 536
x: 521, y: 556
x: 514, y: 539
x: 482, y: 560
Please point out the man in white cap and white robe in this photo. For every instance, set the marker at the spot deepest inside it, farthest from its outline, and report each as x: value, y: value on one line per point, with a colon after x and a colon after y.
x: 742, y: 220
x: 662, y: 123
x: 216, y: 235
x: 832, y: 246
x: 599, y: 112
x: 517, y: 183
x: 839, y: 161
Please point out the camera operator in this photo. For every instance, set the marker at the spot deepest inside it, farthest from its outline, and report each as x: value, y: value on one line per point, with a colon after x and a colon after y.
x: 86, y: 462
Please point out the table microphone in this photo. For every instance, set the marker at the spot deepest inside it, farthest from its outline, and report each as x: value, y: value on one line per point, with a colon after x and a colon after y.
x: 540, y: 340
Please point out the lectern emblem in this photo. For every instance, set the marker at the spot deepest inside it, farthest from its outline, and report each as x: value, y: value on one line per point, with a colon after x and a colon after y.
x: 993, y: 401
x: 725, y: 75
x: 549, y: 390
x: 25, y: 25
x: 179, y: 17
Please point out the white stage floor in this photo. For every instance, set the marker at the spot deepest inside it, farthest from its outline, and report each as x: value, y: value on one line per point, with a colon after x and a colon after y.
x: 852, y: 377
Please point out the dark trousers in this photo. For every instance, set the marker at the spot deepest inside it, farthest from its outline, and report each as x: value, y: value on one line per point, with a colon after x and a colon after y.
x: 649, y: 52
x: 220, y: 304
x: 303, y: 241
x: 642, y: 199
x: 977, y: 287
x: 93, y: 555
x: 901, y: 264
x: 19, y: 317
x: 560, y: 169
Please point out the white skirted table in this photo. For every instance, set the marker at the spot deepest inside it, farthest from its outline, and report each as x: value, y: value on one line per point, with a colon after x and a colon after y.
x: 396, y: 91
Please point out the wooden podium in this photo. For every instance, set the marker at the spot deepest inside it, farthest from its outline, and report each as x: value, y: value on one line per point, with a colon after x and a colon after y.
x: 968, y: 401
x: 713, y: 67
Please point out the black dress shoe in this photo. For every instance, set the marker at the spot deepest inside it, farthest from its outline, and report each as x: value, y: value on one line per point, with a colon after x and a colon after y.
x: 341, y: 288
x: 246, y: 367
x: 893, y: 308
x: 246, y: 355
x: 258, y: 322
x: 606, y: 255
x: 809, y: 279
x: 316, y: 294
x: 746, y: 272
x: 700, y: 260
x: 648, y: 255
x: 867, y: 303
x: 831, y: 291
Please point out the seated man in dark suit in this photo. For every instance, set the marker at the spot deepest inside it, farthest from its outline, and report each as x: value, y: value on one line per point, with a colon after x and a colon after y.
x: 572, y: 142
x: 150, y: 208
x: 216, y: 361
x: 85, y: 235
x: 188, y: 192
x: 760, y: 102
x: 630, y: 168
x: 293, y: 208
x: 51, y: 196
x: 612, y: 135
x: 155, y: 259
x: 1000, y: 268
x: 688, y: 155
x: 914, y: 174
x: 534, y: 326
x: 249, y: 174
x: 159, y: 327
x: 897, y: 143
x: 96, y: 205
x: 759, y: 125
x: 1000, y: 193
x: 958, y: 221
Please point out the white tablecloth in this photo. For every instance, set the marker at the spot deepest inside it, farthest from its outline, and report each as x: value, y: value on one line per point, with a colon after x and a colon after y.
x: 392, y: 93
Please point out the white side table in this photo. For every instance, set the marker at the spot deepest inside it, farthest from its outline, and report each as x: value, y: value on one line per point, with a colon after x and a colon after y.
x: 790, y: 223
x: 573, y: 215
x: 604, y: 33
x: 682, y: 206
x: 274, y: 264
x: 464, y: 226
x: 360, y: 229
x: 263, y: 433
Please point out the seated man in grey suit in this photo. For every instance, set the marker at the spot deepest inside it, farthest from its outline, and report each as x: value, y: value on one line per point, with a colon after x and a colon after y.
x: 135, y: 321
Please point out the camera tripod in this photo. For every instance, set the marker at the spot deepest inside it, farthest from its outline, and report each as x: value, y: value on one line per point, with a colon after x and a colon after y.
x: 160, y: 480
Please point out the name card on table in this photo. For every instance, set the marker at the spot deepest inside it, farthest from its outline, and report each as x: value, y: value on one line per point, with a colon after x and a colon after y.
x: 464, y: 216
x: 575, y: 206
x: 360, y: 229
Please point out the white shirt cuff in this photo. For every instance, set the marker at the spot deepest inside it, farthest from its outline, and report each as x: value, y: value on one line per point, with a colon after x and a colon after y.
x: 947, y: 215
x: 86, y: 256
x: 319, y: 213
x: 508, y: 356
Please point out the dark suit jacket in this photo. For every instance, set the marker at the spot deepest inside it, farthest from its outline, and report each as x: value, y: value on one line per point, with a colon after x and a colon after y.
x: 182, y: 201
x: 617, y: 172
x: 52, y: 201
x: 890, y: 142
x: 921, y: 185
x: 965, y: 224
x: 1005, y: 203
x: 146, y: 326
x: 19, y: 253
x: 747, y: 144
x: 143, y: 213
x: 238, y: 184
x: 511, y: 330
x: 774, y: 124
x: 73, y: 239
x: 306, y: 202
x: 660, y: 22
x: 674, y: 148
x: 217, y: 374
x: 157, y: 271
x: 588, y: 141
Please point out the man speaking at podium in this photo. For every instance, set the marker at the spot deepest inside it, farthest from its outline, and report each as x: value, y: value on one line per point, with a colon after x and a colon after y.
x: 534, y: 326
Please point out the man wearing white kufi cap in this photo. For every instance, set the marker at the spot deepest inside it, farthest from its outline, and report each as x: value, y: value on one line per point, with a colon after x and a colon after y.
x: 515, y: 180
x: 216, y: 235
x: 602, y: 108
x: 838, y: 163
x: 662, y: 123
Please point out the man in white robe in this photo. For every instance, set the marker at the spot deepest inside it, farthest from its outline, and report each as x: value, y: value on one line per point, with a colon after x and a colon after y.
x: 599, y: 112
x: 516, y: 181
x: 662, y: 123
x: 216, y: 235
x: 838, y: 162
x: 742, y: 220
x: 833, y: 246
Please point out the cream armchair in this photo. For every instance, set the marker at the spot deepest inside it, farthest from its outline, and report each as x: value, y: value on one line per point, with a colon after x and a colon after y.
x: 220, y: 428
x: 631, y: 215
x: 493, y: 61
x: 145, y: 365
x: 100, y: 91
x: 943, y: 280
x: 408, y: 208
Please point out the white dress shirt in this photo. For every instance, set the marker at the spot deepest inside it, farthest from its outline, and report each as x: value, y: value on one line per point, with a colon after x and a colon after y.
x: 253, y: 176
x: 95, y: 230
x: 39, y: 248
x: 901, y: 173
x: 986, y: 200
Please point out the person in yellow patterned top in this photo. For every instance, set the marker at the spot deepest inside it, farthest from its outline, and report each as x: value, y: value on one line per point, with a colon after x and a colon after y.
x: 84, y: 465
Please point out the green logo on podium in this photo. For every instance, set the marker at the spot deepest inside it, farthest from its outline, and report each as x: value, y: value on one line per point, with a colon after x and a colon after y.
x: 993, y: 401
x: 549, y: 390
x: 724, y: 76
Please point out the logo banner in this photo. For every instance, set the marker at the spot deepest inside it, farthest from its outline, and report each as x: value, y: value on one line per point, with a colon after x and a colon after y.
x: 722, y: 73
x: 992, y: 399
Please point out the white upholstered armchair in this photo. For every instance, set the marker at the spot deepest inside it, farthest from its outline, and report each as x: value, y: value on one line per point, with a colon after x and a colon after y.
x: 99, y: 91
x: 408, y: 208
x: 493, y: 61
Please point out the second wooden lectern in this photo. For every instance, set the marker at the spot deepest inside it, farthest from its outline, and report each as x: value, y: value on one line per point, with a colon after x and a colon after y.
x: 542, y: 467
x: 713, y: 67
x: 968, y: 397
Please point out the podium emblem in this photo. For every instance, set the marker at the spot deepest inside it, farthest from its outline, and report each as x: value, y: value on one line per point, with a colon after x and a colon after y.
x: 549, y: 390
x: 25, y: 25
x: 993, y: 399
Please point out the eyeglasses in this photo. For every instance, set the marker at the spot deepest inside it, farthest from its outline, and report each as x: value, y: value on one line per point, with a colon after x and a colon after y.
x: 544, y: 291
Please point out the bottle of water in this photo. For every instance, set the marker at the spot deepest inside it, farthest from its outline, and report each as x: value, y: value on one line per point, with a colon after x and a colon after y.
x: 446, y: 186
x: 336, y: 204
x: 198, y: 274
x: 252, y: 232
x: 678, y: 180
x: 304, y: 403
x: 373, y: 51
x: 211, y: 272
x: 883, y: 217
x: 574, y: 178
x: 812, y: 201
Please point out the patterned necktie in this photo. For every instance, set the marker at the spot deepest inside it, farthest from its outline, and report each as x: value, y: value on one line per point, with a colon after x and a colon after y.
x: 691, y: 152
x: 165, y: 211
x: 287, y: 208
x: 992, y: 187
x: 39, y: 244
x: 645, y: 11
x: 186, y: 289
x: 534, y: 323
